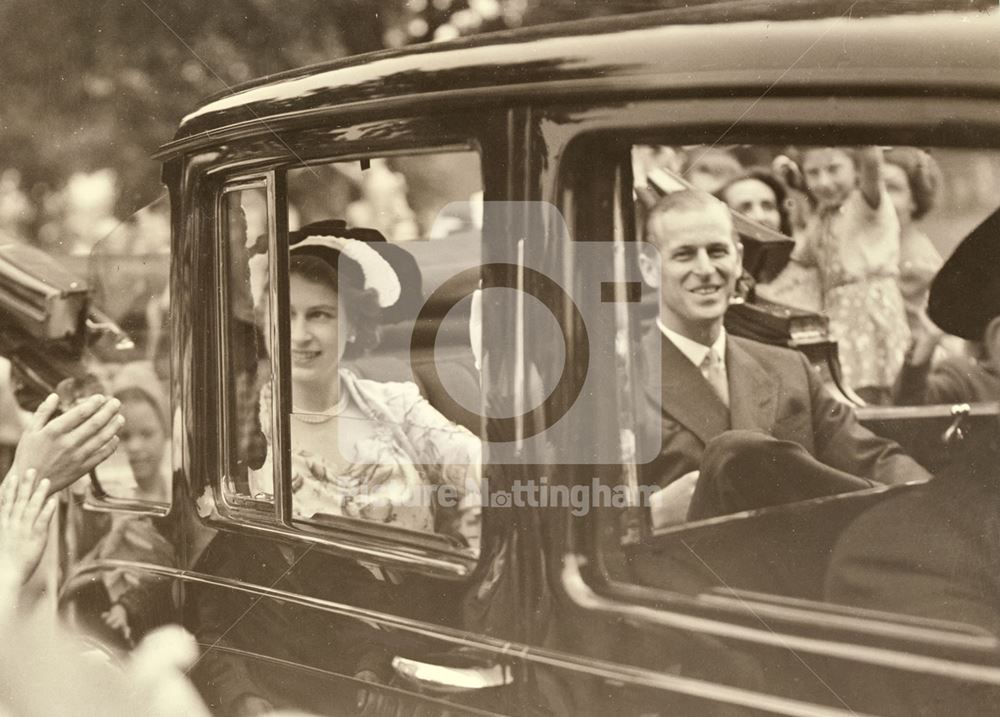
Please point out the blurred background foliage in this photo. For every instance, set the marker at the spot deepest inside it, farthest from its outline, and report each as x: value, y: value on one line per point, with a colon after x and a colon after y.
x: 91, y: 88
x: 100, y: 84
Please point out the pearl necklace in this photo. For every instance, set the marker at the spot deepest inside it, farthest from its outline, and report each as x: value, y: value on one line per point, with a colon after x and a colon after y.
x: 321, y: 416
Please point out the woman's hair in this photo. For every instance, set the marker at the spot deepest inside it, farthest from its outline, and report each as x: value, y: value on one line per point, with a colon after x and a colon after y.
x: 135, y: 394
x: 361, y: 305
x: 922, y: 174
x: 768, y: 178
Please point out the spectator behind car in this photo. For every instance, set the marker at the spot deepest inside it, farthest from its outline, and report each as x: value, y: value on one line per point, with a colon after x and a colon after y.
x: 853, y: 240
x: 971, y: 378
x: 912, y: 179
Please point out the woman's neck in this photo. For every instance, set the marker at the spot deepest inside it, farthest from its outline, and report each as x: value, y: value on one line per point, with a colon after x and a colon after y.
x: 317, y: 398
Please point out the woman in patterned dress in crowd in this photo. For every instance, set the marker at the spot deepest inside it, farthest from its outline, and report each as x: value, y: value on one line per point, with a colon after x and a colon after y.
x: 853, y: 240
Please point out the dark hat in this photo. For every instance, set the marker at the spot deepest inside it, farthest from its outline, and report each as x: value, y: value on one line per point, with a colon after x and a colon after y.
x: 965, y: 294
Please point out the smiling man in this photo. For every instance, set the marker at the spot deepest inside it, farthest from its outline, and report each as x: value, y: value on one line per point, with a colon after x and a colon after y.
x: 740, y: 424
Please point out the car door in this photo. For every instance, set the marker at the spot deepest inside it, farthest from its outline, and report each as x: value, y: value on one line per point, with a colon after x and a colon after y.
x: 297, y: 605
x: 733, y: 608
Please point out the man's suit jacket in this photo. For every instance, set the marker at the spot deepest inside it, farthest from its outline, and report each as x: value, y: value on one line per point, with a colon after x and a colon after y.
x: 772, y: 390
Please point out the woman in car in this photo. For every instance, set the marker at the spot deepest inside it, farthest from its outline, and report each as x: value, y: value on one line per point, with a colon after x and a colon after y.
x: 365, y: 449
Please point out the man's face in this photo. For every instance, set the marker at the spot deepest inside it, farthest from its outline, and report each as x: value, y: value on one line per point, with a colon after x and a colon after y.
x: 699, y: 265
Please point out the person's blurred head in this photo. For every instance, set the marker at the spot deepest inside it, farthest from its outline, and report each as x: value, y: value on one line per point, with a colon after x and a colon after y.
x: 964, y: 298
x: 911, y: 179
x: 700, y: 259
x: 709, y: 168
x: 759, y: 195
x: 830, y: 175
x: 144, y: 436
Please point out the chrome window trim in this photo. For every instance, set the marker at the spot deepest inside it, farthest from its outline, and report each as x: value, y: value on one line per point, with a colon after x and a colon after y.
x: 613, y: 673
x: 221, y: 243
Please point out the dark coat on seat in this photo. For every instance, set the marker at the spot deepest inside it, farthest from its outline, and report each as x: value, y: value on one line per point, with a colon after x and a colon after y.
x: 932, y: 552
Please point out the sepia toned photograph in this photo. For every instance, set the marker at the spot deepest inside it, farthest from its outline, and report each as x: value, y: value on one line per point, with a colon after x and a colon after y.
x: 416, y: 358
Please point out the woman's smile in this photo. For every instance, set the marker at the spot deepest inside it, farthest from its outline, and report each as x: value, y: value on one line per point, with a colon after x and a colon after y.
x: 304, y: 357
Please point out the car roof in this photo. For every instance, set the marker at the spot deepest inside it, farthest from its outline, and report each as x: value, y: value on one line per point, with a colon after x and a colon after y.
x: 738, y: 51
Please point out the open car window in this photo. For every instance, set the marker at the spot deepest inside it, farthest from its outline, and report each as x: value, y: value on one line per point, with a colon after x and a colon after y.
x: 841, y: 277
x: 332, y: 342
x: 370, y: 438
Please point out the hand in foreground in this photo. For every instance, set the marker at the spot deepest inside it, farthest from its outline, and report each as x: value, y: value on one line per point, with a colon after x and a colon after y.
x: 157, y: 673
x: 69, y: 446
x: 669, y: 506
x: 24, y: 523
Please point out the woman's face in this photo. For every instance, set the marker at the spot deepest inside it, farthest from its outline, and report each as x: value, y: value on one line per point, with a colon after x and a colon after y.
x: 318, y: 334
x: 144, y: 440
x: 898, y: 187
x: 753, y: 198
x: 830, y: 175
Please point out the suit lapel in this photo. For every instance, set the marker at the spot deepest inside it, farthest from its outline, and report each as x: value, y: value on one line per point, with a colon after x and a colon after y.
x: 752, y: 390
x: 685, y: 395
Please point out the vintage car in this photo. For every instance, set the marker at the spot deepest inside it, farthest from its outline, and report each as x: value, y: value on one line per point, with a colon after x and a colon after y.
x: 503, y: 176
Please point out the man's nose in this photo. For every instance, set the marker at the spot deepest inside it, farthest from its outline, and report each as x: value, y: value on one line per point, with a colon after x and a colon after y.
x: 703, y: 263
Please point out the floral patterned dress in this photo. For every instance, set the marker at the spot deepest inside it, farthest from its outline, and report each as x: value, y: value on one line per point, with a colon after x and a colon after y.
x: 856, y: 250
x: 399, y: 475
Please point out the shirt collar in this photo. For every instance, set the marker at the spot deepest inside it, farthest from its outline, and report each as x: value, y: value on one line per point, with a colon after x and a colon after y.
x: 694, y: 351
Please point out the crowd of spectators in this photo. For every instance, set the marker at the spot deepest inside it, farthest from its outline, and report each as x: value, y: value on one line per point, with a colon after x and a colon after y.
x: 866, y: 247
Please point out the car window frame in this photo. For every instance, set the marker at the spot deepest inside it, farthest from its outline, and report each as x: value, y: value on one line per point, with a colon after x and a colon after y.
x: 763, y: 121
x: 371, y: 543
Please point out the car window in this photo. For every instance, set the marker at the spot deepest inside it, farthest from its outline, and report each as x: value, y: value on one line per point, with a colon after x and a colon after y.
x: 116, y: 513
x: 372, y: 441
x: 244, y: 222
x: 842, y: 277
x: 128, y: 272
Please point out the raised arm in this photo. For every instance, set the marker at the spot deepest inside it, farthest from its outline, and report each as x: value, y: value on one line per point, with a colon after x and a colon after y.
x: 870, y: 175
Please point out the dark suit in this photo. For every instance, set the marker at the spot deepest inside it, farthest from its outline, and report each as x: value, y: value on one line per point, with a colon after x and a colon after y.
x: 773, y: 391
x: 932, y: 551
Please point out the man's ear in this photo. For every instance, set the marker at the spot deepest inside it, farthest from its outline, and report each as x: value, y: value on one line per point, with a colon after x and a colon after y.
x: 649, y: 265
x: 991, y: 340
